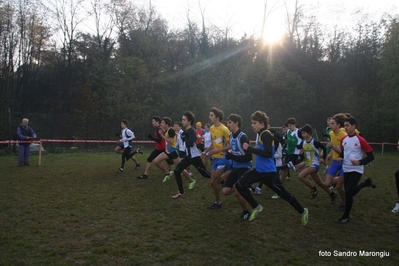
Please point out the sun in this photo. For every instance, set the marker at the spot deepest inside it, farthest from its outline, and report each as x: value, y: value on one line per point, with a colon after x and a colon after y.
x: 273, y: 33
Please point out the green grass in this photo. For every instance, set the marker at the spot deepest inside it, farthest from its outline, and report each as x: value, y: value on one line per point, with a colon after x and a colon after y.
x: 75, y: 209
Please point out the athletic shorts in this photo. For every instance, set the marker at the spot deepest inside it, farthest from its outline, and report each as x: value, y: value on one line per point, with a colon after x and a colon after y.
x: 315, y: 166
x: 335, y: 167
x: 154, y: 154
x: 220, y: 164
x: 182, y: 154
x: 173, y: 155
x: 233, y: 176
x: 292, y: 158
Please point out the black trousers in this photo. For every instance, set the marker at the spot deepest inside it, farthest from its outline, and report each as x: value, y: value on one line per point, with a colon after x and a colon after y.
x: 186, y: 162
x: 269, y: 179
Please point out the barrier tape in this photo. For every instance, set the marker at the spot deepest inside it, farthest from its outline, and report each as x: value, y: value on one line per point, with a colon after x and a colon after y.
x: 115, y: 141
x: 70, y: 141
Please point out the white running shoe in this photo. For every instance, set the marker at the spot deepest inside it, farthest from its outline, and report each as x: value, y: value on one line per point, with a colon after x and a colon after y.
x: 275, y: 196
x: 291, y: 166
x: 258, y: 190
x: 396, y: 209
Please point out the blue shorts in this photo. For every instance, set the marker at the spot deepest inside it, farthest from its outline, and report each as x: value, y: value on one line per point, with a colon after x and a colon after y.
x: 335, y: 168
x: 220, y: 163
x: 315, y: 166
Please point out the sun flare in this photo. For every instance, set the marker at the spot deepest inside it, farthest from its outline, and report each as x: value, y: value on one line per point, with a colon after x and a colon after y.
x: 273, y: 34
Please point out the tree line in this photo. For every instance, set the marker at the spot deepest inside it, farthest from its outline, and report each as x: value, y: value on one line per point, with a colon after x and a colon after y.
x: 135, y: 66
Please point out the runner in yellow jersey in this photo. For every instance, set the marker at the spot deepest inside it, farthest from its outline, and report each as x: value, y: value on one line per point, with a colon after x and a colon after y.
x: 220, y: 136
x: 336, y: 134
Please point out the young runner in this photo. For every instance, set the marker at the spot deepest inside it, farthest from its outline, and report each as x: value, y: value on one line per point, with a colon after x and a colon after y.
x: 265, y: 170
x: 160, y: 145
x: 242, y: 161
x: 125, y: 146
x: 171, y: 152
x: 336, y: 134
x: 353, y: 147
x: 192, y: 154
x: 220, y: 143
x: 311, y: 150
x: 294, y: 140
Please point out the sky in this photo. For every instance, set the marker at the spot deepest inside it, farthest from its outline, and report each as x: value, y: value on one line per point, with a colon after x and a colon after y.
x: 246, y: 16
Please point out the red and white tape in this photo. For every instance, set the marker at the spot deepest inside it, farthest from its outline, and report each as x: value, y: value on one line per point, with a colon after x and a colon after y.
x: 70, y: 141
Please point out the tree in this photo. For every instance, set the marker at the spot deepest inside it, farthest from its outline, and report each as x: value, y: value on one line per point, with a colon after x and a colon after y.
x: 386, y: 115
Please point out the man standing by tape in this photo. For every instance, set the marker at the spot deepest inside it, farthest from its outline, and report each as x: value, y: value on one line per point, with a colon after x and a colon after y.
x: 25, y: 133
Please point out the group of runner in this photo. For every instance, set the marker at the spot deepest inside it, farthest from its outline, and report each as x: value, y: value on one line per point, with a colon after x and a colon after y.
x: 232, y: 153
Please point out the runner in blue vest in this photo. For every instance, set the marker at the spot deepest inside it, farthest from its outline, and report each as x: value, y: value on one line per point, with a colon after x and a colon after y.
x: 242, y: 161
x: 265, y: 170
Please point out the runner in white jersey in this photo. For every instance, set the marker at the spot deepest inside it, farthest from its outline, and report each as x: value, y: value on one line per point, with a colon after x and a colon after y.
x: 192, y: 154
x: 177, y: 126
x: 311, y: 150
x: 353, y: 148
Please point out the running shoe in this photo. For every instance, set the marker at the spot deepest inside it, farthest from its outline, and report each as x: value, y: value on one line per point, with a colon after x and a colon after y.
x: 215, y: 205
x: 143, y: 176
x: 291, y: 166
x: 179, y: 195
x: 191, y: 184
x: 120, y: 170
x: 341, y: 207
x: 137, y: 166
x: 245, y: 215
x: 275, y: 196
x: 342, y: 220
x: 369, y: 182
x: 166, y: 178
x: 139, y: 151
x: 333, y: 197
x: 396, y: 209
x: 305, y: 217
x: 255, y: 213
x: 313, y: 193
x: 258, y: 190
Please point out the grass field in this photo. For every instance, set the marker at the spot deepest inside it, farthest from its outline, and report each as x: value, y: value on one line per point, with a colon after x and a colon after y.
x: 75, y: 209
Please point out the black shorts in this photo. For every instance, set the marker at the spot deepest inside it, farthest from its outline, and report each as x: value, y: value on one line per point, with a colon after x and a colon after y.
x: 234, y: 175
x: 182, y: 154
x: 200, y: 146
x: 292, y: 158
x: 172, y: 156
x: 154, y: 155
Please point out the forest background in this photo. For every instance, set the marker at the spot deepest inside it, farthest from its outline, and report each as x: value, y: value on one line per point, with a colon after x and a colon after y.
x: 74, y: 84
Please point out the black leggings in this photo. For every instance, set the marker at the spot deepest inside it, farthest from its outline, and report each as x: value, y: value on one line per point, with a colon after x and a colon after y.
x: 126, y: 155
x: 269, y: 179
x: 278, y: 173
x: 351, y: 180
x: 186, y: 162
